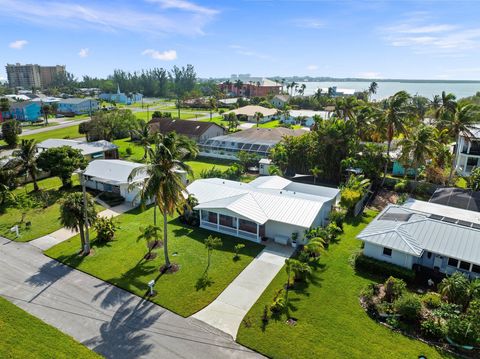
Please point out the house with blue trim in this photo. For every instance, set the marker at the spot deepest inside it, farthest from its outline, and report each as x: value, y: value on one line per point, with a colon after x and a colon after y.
x: 427, y: 235
x: 77, y: 106
x: 24, y: 111
x: 121, y: 97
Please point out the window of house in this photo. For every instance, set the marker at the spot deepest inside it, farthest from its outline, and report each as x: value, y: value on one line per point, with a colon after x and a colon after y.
x: 464, y: 265
x: 429, y: 255
x: 475, y: 268
x: 387, y: 251
x: 452, y: 262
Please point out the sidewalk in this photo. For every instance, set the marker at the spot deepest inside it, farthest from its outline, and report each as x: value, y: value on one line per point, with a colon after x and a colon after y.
x: 228, y: 310
x: 63, y: 234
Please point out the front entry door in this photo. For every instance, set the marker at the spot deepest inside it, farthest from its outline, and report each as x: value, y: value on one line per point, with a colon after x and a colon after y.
x: 438, y: 262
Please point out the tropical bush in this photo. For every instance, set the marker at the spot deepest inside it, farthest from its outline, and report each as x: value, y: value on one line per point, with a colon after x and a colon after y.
x: 474, y: 179
x: 408, y: 305
x: 105, y: 228
x: 394, y: 289
x: 455, y: 288
x: 371, y: 265
x: 461, y: 331
x: 432, y: 328
x: 10, y: 130
x: 349, y: 198
x: 401, y: 186
x: 279, y: 303
x: 432, y: 300
x: 337, y: 216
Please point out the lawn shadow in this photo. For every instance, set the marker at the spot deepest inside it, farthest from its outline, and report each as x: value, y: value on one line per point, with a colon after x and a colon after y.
x: 121, y: 336
x: 203, y: 282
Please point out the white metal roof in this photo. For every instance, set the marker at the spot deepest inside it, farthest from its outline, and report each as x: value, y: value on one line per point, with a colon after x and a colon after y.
x: 260, y: 200
x: 309, y: 113
x: 113, y: 171
x: 420, y: 231
x: 86, y: 148
x: 442, y: 210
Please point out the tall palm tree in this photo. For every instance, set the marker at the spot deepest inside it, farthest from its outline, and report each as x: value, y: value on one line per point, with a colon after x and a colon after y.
x: 163, y: 183
x: 318, y: 94
x: 238, y: 85
x: 372, y: 89
x: 212, y: 105
x: 393, y: 118
x: 292, y: 86
x: 446, y: 106
x: 302, y: 89
x: 72, y: 216
x: 27, y: 156
x: 143, y: 137
x: 418, y: 146
x: 258, y: 116
x: 459, y: 120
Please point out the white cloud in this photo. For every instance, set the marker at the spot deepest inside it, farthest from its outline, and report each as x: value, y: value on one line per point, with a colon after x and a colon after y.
x: 157, y: 17
x: 168, y: 55
x: 312, y: 67
x: 309, y: 23
x: 84, y: 52
x: 18, y: 44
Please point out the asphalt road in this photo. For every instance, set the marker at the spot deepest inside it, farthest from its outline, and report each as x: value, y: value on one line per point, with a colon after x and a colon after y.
x: 107, y: 319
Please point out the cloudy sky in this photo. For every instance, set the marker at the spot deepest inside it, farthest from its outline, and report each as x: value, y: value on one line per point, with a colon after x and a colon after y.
x: 373, y: 39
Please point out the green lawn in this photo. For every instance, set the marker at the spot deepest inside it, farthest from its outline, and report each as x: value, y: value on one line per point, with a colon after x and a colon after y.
x: 66, y: 132
x: 38, y: 125
x: 146, y: 116
x: 25, y: 336
x: 121, y: 262
x: 218, y: 120
x: 43, y: 220
x: 331, y: 322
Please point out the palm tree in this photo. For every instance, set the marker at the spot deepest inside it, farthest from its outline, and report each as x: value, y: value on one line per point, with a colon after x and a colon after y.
x: 318, y: 94
x: 393, y: 119
x: 27, y: 156
x: 238, y: 85
x: 210, y: 244
x: 315, y: 246
x: 72, y: 216
x: 143, y: 137
x: 164, y: 184
x: 302, y: 89
x: 459, y: 120
x: 455, y: 288
x: 446, y: 106
x: 372, y: 89
x: 258, y: 116
x: 418, y: 146
x: 150, y: 235
x: 212, y: 105
x: 315, y: 172
x: 292, y: 87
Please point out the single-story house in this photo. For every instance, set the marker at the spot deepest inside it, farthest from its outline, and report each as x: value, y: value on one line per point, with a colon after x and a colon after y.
x: 24, y: 111
x: 468, y: 151
x: 430, y: 235
x: 279, y: 101
x: 198, y: 131
x: 248, y: 113
x: 112, y: 176
x: 256, y: 140
x: 305, y: 117
x: 268, y: 207
x: 91, y: 150
x: 77, y: 106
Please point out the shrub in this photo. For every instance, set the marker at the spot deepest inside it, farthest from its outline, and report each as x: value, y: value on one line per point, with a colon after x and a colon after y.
x: 105, y: 228
x: 238, y: 247
x: 409, y: 307
x: 349, y: 198
x: 401, y: 186
x: 337, y: 216
x: 332, y: 231
x: 394, y: 289
x: 393, y: 322
x: 432, y: 300
x: 10, y: 130
x: 461, y: 331
x: 447, y: 311
x: 278, y: 304
x: 474, y: 179
x: 128, y: 151
x: 455, y: 288
x: 432, y: 329
x: 423, y: 189
x: 371, y: 265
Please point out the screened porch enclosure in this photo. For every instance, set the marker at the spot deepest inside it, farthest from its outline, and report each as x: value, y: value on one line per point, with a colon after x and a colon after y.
x: 235, y: 226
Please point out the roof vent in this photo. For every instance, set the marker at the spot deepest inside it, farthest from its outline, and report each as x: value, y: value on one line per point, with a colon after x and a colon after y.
x: 281, y: 192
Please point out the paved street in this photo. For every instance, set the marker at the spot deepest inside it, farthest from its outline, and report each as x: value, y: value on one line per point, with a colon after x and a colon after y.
x: 109, y: 320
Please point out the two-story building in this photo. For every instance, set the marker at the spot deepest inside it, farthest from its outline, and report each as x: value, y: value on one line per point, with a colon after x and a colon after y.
x: 77, y: 106
x: 90, y: 150
x: 24, y: 111
x: 468, y: 151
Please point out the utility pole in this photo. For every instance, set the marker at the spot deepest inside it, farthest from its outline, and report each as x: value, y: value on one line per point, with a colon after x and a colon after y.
x: 85, y: 213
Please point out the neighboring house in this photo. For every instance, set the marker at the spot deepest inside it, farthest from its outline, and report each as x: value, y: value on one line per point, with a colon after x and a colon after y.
x: 121, y: 97
x: 91, y: 150
x: 255, y: 140
x: 468, y: 151
x: 228, y: 102
x: 338, y: 92
x: 198, y: 131
x: 268, y: 207
x: 279, y: 101
x: 24, y: 111
x: 47, y: 100
x: 113, y: 176
x: 429, y: 235
x: 260, y: 88
x: 305, y: 117
x: 248, y: 113
x: 264, y: 166
x: 77, y: 106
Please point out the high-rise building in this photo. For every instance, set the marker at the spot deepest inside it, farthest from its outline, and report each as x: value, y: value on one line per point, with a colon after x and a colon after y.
x: 32, y: 75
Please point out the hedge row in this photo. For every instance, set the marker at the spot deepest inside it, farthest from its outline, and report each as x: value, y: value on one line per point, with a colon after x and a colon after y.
x: 374, y: 266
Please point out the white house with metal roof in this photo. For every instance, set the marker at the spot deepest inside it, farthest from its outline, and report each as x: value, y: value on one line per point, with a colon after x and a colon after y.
x: 90, y: 150
x: 468, y: 151
x: 430, y: 235
x: 268, y: 207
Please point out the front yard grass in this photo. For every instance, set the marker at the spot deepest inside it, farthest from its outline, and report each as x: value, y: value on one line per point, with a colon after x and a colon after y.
x: 331, y: 323
x: 121, y: 262
x: 42, y: 220
x: 25, y: 336
x: 70, y: 132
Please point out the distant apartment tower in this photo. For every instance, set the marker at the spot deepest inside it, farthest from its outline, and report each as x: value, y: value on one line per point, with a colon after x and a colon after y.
x: 32, y: 75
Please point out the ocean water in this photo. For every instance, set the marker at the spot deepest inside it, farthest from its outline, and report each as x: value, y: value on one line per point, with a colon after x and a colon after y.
x: 386, y: 89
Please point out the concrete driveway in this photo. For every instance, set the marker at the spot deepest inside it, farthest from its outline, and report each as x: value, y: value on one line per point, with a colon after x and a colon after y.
x: 228, y: 310
x: 107, y: 319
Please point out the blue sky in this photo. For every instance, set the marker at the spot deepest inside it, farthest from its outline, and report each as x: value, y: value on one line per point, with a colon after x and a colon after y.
x: 374, y: 39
